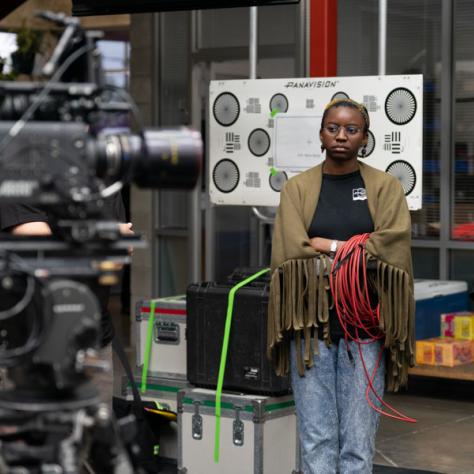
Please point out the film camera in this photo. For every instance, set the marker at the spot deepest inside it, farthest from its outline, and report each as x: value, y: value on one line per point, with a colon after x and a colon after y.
x: 55, y: 155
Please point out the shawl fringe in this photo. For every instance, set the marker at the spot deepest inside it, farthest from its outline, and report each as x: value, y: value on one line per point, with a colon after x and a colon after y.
x: 397, y: 316
x: 300, y: 300
x: 303, y: 286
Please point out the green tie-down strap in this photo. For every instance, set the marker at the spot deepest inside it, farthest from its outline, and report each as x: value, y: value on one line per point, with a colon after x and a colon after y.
x: 149, y: 339
x: 225, y: 347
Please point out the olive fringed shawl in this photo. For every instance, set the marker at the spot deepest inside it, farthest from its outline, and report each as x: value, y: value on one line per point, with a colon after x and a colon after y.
x: 299, y: 290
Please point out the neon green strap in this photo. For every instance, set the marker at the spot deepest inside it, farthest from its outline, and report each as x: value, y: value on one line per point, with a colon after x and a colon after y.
x: 149, y: 339
x: 225, y: 346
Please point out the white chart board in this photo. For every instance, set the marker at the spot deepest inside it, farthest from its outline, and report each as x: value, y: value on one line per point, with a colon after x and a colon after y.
x: 264, y: 131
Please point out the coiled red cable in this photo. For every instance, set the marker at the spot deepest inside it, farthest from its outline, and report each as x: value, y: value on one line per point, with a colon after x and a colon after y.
x: 350, y: 290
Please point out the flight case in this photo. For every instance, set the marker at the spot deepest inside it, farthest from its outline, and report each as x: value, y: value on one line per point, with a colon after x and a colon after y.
x: 168, y: 339
x: 257, y: 434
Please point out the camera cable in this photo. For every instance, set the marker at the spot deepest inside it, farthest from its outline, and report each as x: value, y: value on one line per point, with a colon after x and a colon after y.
x: 13, y: 265
x: 350, y: 289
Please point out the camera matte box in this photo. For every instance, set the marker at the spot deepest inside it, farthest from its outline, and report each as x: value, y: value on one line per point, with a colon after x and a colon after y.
x: 247, y: 367
x: 257, y: 434
x: 168, y: 348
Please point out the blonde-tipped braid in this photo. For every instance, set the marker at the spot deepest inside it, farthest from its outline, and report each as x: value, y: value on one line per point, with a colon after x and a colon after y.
x: 341, y: 102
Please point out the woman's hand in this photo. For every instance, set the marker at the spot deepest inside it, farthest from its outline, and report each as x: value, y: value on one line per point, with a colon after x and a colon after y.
x: 323, y: 245
x: 320, y: 244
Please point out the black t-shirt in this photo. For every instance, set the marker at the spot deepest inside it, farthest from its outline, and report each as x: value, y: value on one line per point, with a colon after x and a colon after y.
x: 341, y: 213
x: 12, y: 215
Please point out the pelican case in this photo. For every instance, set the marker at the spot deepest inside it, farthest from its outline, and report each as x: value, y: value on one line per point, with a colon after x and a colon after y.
x: 247, y: 368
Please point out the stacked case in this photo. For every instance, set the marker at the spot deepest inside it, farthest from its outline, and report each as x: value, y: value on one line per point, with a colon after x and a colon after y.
x: 258, y: 434
x: 168, y: 349
x: 164, y: 392
x: 258, y: 422
x: 166, y: 374
x: 455, y: 346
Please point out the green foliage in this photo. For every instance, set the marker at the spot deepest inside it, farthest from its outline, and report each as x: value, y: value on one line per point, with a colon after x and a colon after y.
x: 28, y: 42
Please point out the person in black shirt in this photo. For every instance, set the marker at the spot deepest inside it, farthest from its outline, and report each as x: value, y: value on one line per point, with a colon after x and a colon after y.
x: 336, y: 425
x: 23, y: 219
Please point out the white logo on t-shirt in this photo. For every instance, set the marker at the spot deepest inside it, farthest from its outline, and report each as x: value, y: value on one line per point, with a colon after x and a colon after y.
x: 359, y: 194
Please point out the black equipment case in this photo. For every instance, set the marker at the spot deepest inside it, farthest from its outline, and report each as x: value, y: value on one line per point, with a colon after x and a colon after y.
x: 247, y: 368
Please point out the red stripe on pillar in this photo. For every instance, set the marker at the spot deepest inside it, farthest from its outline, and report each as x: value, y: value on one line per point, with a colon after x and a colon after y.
x: 323, y: 38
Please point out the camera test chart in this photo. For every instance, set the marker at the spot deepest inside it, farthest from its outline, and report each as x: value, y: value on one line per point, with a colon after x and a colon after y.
x: 264, y: 131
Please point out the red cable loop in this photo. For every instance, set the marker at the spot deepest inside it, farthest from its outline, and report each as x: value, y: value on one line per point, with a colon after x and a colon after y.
x: 350, y: 290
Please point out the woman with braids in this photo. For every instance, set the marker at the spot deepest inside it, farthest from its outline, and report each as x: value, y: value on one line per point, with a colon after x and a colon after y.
x: 320, y: 210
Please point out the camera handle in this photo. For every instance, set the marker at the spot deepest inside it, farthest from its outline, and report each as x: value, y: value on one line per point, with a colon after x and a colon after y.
x: 72, y: 25
x: 50, y: 67
x: 71, y: 32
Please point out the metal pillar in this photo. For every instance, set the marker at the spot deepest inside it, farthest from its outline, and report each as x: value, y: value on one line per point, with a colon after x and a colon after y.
x: 253, y: 43
x: 447, y: 140
x: 382, y: 36
x: 195, y: 216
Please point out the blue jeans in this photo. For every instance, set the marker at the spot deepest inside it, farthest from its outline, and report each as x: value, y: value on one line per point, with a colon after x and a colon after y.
x: 336, y: 425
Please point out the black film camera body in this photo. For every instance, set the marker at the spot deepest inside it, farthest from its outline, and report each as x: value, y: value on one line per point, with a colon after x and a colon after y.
x: 61, y: 161
x: 62, y: 168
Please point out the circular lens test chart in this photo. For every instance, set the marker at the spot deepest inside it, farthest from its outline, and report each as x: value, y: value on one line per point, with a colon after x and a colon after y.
x: 264, y: 131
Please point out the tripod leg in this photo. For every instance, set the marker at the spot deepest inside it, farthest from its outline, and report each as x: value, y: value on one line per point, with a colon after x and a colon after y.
x: 108, y: 454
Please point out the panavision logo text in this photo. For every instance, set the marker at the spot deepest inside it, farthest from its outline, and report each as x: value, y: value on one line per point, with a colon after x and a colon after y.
x: 311, y: 84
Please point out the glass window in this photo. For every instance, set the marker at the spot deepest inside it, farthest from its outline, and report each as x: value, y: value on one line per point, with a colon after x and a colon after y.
x: 173, y: 210
x: 221, y: 28
x: 462, y: 266
x: 277, y: 24
x: 115, y: 61
x: 7, y: 47
x: 174, y: 275
x: 413, y: 47
x: 224, y: 28
x: 357, y: 41
x: 425, y: 263
x: 463, y: 210
x: 232, y: 239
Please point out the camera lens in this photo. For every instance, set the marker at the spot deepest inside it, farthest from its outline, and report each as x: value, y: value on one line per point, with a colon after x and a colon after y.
x: 165, y: 158
x: 172, y: 160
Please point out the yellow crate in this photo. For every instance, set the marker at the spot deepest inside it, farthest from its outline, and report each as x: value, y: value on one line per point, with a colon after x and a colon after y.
x: 464, y: 327
x: 447, y: 322
x: 425, y: 352
x: 447, y: 351
x: 452, y: 352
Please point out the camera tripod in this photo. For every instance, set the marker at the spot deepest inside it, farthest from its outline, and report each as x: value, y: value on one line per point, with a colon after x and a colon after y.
x: 63, y: 432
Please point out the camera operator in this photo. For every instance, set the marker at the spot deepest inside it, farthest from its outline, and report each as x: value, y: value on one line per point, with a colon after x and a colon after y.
x: 26, y: 220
